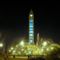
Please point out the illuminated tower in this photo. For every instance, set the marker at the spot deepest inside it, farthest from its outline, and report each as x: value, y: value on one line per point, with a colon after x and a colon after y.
x: 31, y: 27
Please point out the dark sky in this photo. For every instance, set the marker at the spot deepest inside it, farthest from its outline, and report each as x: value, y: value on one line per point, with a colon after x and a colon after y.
x: 14, y: 17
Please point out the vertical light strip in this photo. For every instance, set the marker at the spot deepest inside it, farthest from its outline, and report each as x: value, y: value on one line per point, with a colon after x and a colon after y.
x: 31, y: 29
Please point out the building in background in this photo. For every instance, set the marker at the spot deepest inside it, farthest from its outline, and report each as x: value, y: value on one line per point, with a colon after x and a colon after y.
x: 31, y: 27
x: 37, y: 42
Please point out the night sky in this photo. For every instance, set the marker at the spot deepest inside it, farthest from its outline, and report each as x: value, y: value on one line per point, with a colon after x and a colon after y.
x: 14, y: 18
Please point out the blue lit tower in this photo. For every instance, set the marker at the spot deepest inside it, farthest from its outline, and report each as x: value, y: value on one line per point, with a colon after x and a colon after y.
x: 31, y: 27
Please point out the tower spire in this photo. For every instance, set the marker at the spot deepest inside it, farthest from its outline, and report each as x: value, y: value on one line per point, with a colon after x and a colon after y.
x: 31, y: 12
x: 31, y: 15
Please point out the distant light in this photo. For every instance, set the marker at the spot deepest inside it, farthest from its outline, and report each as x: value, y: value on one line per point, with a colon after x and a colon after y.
x: 16, y: 45
x: 19, y: 52
x: 1, y: 45
x: 13, y: 52
x: 44, y: 43
x: 31, y: 15
x: 42, y: 50
x: 30, y: 41
x: 11, y: 48
x: 29, y: 52
x: 31, y: 34
x: 52, y: 48
x: 22, y: 43
x: 48, y: 49
x: 22, y: 49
